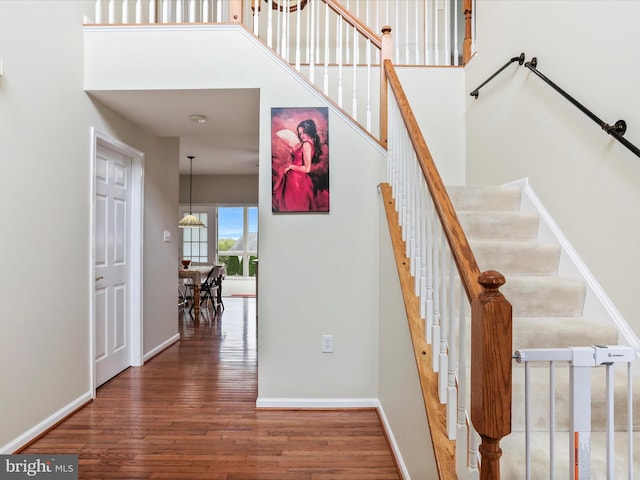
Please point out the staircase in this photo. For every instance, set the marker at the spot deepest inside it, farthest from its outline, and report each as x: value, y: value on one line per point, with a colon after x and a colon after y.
x: 548, y: 312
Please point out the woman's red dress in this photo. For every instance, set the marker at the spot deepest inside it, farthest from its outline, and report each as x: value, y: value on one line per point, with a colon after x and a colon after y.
x: 294, y: 191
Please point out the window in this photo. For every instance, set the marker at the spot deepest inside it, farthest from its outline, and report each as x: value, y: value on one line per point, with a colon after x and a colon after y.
x: 234, y: 235
x: 238, y: 239
x: 195, y: 241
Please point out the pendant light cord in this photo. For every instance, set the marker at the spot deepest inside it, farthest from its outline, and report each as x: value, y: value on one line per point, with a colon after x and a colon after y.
x: 190, y: 182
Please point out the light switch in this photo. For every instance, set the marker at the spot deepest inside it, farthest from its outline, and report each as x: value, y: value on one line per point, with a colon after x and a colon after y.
x: 167, y: 236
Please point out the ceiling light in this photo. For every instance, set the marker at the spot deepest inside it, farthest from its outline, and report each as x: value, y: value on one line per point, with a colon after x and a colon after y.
x: 190, y: 221
x: 198, y: 118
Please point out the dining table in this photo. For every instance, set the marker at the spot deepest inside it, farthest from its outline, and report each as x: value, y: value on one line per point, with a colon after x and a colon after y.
x: 195, y: 274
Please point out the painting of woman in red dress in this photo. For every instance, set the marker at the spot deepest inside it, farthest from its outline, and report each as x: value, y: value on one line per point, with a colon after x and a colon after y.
x: 300, y: 171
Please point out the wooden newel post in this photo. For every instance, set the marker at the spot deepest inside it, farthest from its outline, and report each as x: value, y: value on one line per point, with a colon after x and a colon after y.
x: 386, y: 53
x: 491, y: 362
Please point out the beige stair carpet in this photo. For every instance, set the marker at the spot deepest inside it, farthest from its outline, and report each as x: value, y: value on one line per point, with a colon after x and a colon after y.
x: 547, y: 313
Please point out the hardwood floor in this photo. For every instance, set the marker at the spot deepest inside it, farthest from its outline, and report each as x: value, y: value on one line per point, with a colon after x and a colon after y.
x: 189, y: 413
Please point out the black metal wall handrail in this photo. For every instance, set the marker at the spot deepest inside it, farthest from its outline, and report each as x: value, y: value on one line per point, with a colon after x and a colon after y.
x: 617, y: 130
x: 519, y: 59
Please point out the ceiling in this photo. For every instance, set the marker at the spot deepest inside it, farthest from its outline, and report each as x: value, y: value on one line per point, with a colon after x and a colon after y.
x: 226, y: 144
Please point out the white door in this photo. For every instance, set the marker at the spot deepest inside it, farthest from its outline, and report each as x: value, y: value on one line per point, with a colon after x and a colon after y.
x: 112, y: 265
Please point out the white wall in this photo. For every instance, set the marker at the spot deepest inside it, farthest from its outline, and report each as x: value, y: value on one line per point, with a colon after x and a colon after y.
x: 436, y: 97
x: 208, y: 189
x: 519, y: 127
x: 45, y: 157
x: 318, y: 272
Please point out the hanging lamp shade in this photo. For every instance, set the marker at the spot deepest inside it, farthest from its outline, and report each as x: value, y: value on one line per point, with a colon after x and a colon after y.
x: 190, y: 221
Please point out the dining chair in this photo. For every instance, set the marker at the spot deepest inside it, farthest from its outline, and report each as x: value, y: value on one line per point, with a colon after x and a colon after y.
x: 207, y: 287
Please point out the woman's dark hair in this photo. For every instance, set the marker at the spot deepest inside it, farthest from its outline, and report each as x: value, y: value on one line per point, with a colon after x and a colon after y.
x: 309, y: 127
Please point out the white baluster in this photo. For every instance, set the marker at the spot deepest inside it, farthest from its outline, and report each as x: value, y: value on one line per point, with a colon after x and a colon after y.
x: 447, y: 33
x: 255, y: 17
x: 112, y: 12
x: 308, y: 51
x: 312, y: 42
x: 298, y: 20
x: 437, y: 243
x: 474, y: 441
x: 430, y: 273
x: 125, y: 12
x: 423, y: 249
x: 406, y: 33
x: 457, y: 13
x: 452, y: 391
x: 462, y: 433
x: 339, y: 58
x: 396, y: 58
x: 347, y: 53
x: 205, y: 11
x: 165, y: 11
x: 354, y: 106
x: 436, y: 33
x: 326, y: 50
x: 192, y: 11
x: 417, y: 33
x: 178, y: 11
x: 443, y: 359
x: 98, y: 11
x: 369, y: 116
x: 219, y: 11
x: 152, y: 11
x: 138, y: 11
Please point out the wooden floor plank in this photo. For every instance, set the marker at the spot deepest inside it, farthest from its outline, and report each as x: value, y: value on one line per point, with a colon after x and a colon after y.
x: 189, y: 413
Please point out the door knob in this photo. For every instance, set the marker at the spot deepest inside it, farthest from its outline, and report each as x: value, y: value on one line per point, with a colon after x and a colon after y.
x: 99, y: 278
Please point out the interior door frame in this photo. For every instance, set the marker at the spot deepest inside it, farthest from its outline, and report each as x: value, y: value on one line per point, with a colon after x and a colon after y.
x: 135, y: 249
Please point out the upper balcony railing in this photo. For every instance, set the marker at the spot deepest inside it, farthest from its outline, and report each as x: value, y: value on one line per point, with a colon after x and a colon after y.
x: 335, y: 45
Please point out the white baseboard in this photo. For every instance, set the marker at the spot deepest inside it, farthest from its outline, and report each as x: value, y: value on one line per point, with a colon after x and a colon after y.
x: 316, y: 403
x: 46, y: 424
x: 393, y: 444
x: 161, y: 347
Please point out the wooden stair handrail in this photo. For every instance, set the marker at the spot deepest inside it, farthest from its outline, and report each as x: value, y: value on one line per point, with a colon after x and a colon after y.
x: 465, y: 261
x: 355, y: 22
x: 491, y: 315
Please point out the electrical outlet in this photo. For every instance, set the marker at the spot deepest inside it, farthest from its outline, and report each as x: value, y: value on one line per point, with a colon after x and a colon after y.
x: 327, y: 343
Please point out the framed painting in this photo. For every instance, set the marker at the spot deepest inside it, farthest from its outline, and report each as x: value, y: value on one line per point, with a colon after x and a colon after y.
x: 300, y: 159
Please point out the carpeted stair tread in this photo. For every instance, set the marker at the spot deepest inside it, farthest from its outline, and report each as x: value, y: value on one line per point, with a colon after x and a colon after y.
x: 485, y: 198
x: 544, y: 296
x: 502, y: 225
x: 561, y: 332
x: 516, y: 257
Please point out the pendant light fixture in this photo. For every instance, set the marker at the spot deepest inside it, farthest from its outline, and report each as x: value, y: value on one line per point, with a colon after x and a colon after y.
x: 190, y: 221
